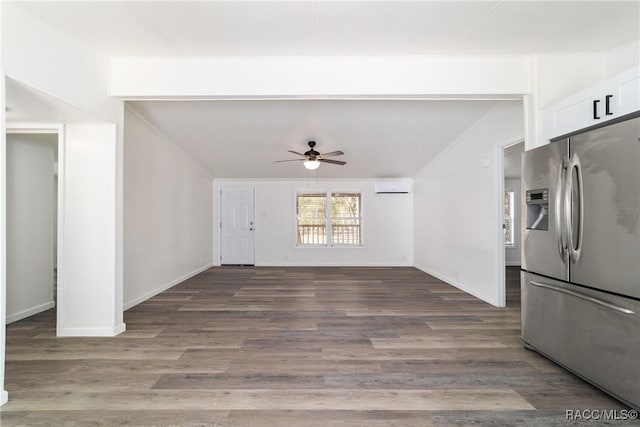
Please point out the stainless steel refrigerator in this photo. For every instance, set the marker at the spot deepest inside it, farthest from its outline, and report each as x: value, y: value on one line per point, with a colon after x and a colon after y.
x: 581, y: 255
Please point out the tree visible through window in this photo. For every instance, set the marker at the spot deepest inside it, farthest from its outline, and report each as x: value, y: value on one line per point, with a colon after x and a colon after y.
x: 311, y: 212
x: 338, y: 225
x: 508, y: 223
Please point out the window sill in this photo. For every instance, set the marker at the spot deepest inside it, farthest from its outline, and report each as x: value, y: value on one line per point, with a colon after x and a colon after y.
x: 329, y: 246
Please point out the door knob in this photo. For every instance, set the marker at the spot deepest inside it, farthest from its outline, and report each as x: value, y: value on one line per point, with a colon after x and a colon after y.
x: 250, y: 228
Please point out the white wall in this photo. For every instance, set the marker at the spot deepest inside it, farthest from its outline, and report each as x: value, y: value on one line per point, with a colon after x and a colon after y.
x: 46, y: 58
x: 387, y: 225
x: 456, y: 204
x: 512, y: 254
x: 30, y: 224
x: 87, y: 291
x: 623, y: 58
x: 168, y: 203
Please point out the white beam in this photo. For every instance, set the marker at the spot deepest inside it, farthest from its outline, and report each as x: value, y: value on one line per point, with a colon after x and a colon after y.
x: 242, y: 77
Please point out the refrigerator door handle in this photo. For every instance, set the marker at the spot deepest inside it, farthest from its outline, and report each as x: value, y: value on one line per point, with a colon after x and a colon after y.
x: 560, y: 236
x: 574, y: 251
x: 584, y: 297
x: 567, y: 209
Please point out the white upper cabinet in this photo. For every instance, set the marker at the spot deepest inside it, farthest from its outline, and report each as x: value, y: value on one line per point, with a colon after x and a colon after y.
x: 625, y: 89
x: 600, y: 103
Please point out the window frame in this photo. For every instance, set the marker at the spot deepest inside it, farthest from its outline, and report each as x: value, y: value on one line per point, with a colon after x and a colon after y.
x: 512, y: 216
x: 329, y: 197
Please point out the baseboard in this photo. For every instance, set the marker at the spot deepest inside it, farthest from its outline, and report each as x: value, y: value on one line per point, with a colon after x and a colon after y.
x: 164, y: 287
x: 332, y: 264
x: 119, y: 329
x: 4, y: 397
x: 513, y: 263
x: 91, y: 332
x: 458, y: 285
x: 30, y: 312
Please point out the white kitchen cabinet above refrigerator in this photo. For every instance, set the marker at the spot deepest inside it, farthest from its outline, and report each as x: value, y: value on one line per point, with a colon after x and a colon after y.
x: 600, y: 103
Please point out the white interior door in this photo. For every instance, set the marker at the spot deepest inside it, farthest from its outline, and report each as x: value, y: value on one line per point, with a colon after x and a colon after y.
x: 237, y: 223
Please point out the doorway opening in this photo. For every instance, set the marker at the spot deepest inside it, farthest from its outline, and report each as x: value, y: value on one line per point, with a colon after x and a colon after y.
x: 508, y: 237
x: 33, y: 206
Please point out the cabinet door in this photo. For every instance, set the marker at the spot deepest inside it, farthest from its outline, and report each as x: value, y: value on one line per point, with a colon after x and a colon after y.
x: 575, y: 112
x: 613, y: 98
x: 624, y: 90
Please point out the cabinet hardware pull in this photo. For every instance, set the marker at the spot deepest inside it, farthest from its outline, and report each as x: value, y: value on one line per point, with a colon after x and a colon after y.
x: 607, y: 105
x: 595, y: 109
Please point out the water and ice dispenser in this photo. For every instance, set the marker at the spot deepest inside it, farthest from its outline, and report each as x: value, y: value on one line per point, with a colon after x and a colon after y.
x: 538, y: 209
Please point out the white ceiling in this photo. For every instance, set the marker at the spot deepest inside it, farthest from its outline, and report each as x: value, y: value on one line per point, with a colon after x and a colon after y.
x: 380, y: 139
x: 205, y: 28
x: 241, y: 139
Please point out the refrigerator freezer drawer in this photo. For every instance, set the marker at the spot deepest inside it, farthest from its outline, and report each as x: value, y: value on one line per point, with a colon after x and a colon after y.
x: 593, y: 334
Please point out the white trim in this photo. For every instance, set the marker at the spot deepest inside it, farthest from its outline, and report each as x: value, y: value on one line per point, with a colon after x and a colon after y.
x: 310, y: 181
x: 92, y: 332
x: 119, y: 329
x: 3, y: 231
x: 332, y: 264
x: 164, y: 287
x: 35, y: 127
x: 61, y: 279
x: 513, y: 263
x: 456, y: 284
x: 498, y: 194
x: 30, y: 312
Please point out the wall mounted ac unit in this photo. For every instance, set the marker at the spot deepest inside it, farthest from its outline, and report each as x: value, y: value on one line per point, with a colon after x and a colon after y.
x: 387, y: 187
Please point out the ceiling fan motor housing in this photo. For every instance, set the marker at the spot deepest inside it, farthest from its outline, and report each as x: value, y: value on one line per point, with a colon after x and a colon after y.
x: 312, y: 153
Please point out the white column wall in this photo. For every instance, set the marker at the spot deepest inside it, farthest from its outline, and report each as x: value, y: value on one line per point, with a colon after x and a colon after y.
x: 88, y: 280
x: 455, y: 238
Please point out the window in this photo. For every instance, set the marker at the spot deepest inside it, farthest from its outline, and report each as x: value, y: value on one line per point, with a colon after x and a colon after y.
x: 312, y: 218
x: 508, y: 224
x: 329, y: 219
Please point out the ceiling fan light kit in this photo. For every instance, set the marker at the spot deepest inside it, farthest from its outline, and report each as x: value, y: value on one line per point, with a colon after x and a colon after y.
x: 311, y: 164
x: 313, y: 158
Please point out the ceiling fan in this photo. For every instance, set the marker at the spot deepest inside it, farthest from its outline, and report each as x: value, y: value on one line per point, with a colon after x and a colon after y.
x: 312, y: 158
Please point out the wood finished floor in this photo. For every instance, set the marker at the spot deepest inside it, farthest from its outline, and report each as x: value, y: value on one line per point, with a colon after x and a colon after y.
x: 295, y: 347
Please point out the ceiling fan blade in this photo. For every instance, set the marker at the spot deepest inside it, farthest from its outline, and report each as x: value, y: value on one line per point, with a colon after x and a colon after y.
x: 333, y: 162
x: 333, y: 153
x: 291, y: 160
x: 295, y: 152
